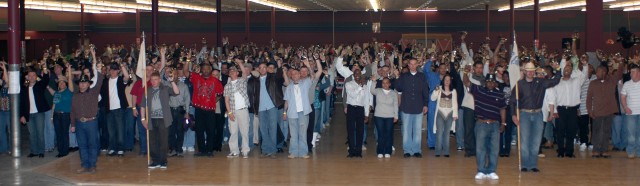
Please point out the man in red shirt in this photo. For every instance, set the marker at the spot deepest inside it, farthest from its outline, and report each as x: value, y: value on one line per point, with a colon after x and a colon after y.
x: 206, y: 92
x: 137, y: 93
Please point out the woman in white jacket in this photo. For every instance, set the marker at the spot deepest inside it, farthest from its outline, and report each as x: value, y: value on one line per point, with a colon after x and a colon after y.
x: 447, y: 112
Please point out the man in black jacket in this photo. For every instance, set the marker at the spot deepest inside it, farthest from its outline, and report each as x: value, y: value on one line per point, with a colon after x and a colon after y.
x: 114, y: 99
x: 32, y: 108
x: 266, y: 99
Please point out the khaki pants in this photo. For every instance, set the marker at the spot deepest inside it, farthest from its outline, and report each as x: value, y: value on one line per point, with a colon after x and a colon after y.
x: 241, y: 123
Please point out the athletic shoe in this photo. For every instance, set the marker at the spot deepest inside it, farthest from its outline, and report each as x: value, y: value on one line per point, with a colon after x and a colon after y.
x: 387, y: 156
x: 493, y: 176
x: 480, y: 176
x: 163, y: 166
x: 380, y: 156
x: 232, y: 155
x: 154, y: 165
x: 583, y: 147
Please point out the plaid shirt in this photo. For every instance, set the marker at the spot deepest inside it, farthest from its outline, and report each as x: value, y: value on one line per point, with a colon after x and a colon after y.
x: 232, y: 87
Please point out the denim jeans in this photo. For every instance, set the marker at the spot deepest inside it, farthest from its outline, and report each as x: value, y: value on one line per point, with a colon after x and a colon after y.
x: 431, y: 117
x: 487, y: 146
x: 318, y: 125
x: 129, y: 131
x: 298, y: 126
x: 5, y: 117
x: 189, y: 138
x: 460, y: 129
x: 36, y: 132
x: 633, y: 135
x: 548, y: 131
x: 443, y: 126
x: 469, y: 131
x: 176, y: 130
x: 88, y: 142
x: 385, y: 135
x: 115, y: 125
x: 619, y: 132
x: 49, y: 131
x: 142, y: 135
x: 531, y: 127
x: 61, y: 122
x: 506, y: 137
x: 411, y: 133
x: 73, y: 141
x: 268, y: 130
x: 284, y: 128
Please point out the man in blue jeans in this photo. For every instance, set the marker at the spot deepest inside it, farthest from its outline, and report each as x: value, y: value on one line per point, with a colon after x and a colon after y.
x: 266, y: 98
x: 530, y: 96
x: 630, y: 98
x: 490, y: 110
x: 413, y: 91
x: 84, y: 108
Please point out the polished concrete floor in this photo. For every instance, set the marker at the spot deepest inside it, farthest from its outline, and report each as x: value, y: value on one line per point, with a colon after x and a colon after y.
x: 328, y: 166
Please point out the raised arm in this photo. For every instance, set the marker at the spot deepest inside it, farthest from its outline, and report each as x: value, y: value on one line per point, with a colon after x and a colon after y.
x: 341, y: 69
x: 163, y: 58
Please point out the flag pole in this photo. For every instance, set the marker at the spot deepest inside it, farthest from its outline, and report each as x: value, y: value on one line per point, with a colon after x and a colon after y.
x: 146, y: 113
x: 518, y: 107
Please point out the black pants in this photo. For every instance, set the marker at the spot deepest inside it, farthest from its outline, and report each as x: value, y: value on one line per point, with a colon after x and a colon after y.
x: 176, y: 130
x: 355, y: 128
x: 469, y: 131
x: 102, y: 127
x: 505, y: 136
x: 205, y: 121
x: 583, y: 123
x: 218, y: 131
x: 310, y: 128
x: 566, y: 129
x: 158, y: 141
x: 61, y: 122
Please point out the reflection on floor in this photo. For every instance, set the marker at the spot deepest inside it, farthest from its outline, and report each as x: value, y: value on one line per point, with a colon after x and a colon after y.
x: 328, y: 166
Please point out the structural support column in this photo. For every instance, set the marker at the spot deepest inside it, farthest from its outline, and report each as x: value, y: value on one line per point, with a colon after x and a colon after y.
x: 512, y: 21
x: 138, y: 34
x: 246, y: 22
x: 219, y: 25
x: 488, y: 26
x: 154, y: 22
x: 593, y: 28
x: 536, y: 24
x: 82, y: 34
x: 13, y: 31
x: 273, y: 23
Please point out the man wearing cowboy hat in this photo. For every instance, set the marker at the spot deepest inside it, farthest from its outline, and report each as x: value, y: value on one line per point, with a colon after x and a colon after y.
x: 84, y: 108
x: 531, y: 93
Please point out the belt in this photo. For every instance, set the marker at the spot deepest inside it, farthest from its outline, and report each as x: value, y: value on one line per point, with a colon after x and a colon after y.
x: 568, y: 107
x: 60, y: 112
x: 487, y: 121
x: 177, y: 108
x: 83, y: 119
x: 531, y: 110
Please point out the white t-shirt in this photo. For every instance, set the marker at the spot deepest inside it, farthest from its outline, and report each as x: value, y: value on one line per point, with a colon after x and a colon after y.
x: 114, y: 100
x: 298, y: 96
x: 32, y: 102
x: 632, y: 91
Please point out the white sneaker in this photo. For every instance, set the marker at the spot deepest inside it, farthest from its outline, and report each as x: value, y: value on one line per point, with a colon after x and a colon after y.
x: 393, y: 148
x: 245, y: 155
x: 387, y: 156
x: 493, y: 176
x: 232, y: 155
x: 380, y: 156
x: 583, y: 147
x: 590, y: 147
x: 191, y: 149
x: 184, y: 149
x: 480, y: 176
x: 364, y: 147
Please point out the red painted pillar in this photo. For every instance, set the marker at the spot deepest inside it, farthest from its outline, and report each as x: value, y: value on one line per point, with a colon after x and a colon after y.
x: 273, y: 23
x: 82, y: 34
x: 246, y: 21
x: 593, y: 37
x: 154, y: 22
x: 219, y: 25
x: 138, y: 34
x: 486, y: 8
x: 536, y: 23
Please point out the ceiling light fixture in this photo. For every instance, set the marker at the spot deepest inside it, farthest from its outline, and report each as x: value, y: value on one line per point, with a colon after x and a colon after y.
x: 522, y: 4
x: 275, y: 5
x: 422, y: 10
x: 125, y: 5
x: 631, y: 8
x: 375, y: 5
x: 179, y: 6
x: 564, y: 5
x: 624, y: 4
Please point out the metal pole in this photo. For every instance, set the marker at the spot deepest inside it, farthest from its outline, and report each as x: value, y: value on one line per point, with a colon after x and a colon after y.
x: 425, y: 29
x: 14, y: 30
x: 82, y: 35
x: 154, y: 22
x: 219, y: 25
x: 333, y: 28
x: 273, y: 23
x: 486, y: 7
x: 138, y: 26
x: 536, y: 24
x: 246, y: 21
x: 512, y: 21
